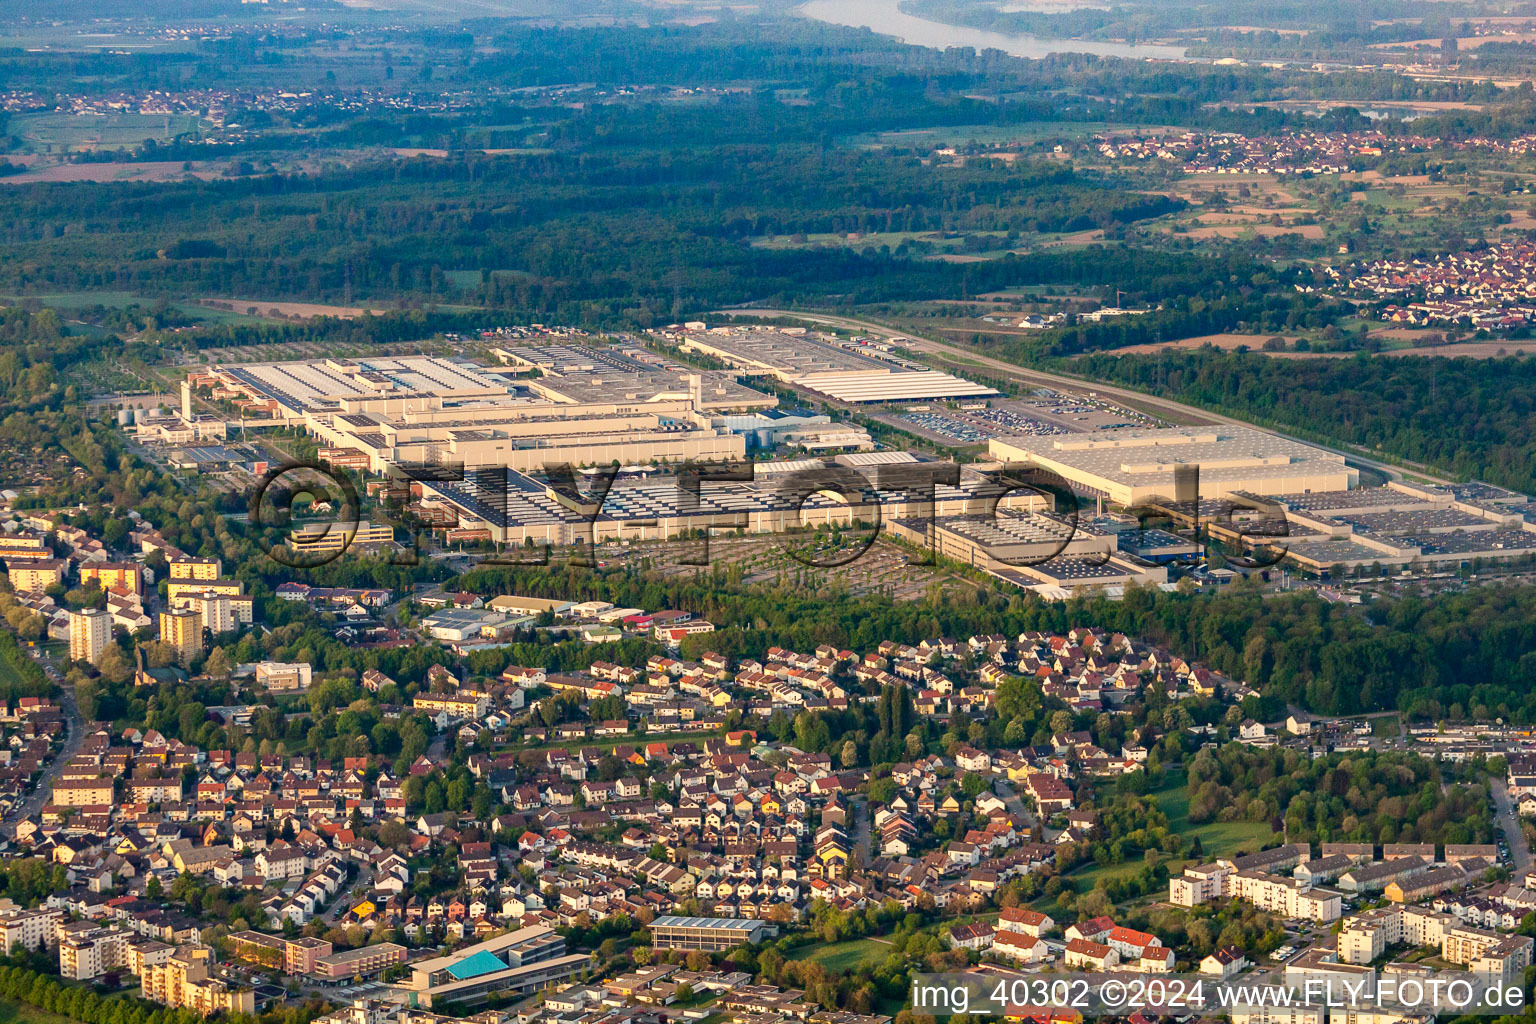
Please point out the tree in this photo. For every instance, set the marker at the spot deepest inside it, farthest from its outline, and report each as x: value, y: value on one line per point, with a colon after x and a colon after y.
x: 218, y: 665
x: 114, y: 665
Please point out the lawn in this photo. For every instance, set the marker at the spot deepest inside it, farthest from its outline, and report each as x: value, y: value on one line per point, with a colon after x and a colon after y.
x: 21, y: 1013
x: 838, y: 957
x: 9, y: 676
x: 1217, y: 838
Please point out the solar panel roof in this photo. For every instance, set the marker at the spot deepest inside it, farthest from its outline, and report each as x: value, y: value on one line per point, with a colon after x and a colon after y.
x: 726, y: 923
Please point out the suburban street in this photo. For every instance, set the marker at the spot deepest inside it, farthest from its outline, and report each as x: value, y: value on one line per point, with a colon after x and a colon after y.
x: 33, y: 802
x: 1508, y: 819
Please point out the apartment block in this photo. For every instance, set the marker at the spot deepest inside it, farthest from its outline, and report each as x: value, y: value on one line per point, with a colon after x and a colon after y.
x: 1286, y: 896
x: 183, y: 981
x: 87, y: 950
x: 195, y: 569
x: 34, y: 575
x: 183, y: 630
x: 90, y: 631
x: 32, y: 929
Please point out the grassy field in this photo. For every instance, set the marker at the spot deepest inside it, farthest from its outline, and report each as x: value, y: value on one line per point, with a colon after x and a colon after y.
x: 1217, y: 838
x: 90, y: 132
x: 21, y: 1013
x: 10, y: 677
x: 838, y: 957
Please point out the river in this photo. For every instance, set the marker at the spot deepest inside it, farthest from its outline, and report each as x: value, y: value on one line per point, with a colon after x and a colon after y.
x: 886, y: 18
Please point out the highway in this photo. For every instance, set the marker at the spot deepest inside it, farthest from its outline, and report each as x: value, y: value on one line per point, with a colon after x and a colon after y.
x: 1178, y: 411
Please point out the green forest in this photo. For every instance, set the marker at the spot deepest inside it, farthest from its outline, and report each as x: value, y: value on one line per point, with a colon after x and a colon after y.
x: 1454, y: 657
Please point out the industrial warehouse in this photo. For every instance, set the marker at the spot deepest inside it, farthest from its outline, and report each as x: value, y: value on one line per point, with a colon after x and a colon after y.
x: 1398, y: 525
x: 478, y: 442
x: 982, y: 522
x: 1138, y: 467
x: 846, y: 372
x: 585, y: 407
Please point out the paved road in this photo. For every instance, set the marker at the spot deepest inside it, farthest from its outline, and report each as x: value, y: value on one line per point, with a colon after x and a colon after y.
x: 1509, y: 819
x: 351, y: 896
x: 33, y: 802
x: 862, y: 829
x: 1014, y: 802
x: 1184, y: 412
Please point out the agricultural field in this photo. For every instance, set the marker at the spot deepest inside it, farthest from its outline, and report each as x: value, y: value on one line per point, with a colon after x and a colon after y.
x: 57, y: 132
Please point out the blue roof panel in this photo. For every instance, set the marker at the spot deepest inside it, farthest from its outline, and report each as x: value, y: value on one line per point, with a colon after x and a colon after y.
x: 483, y: 962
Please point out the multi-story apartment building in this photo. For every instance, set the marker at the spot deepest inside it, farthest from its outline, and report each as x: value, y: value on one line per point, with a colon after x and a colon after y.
x: 107, y: 575
x: 1487, y: 952
x: 34, y: 575
x: 82, y: 792
x: 217, y: 611
x: 195, y: 568
x: 87, y: 950
x: 24, y: 547
x: 183, y: 981
x: 32, y: 929
x: 90, y: 631
x: 1365, y: 936
x: 1286, y: 896
x: 1198, y: 885
x: 183, y: 630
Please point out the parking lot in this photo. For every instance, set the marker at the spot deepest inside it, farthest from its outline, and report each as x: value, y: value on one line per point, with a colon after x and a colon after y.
x: 1043, y: 414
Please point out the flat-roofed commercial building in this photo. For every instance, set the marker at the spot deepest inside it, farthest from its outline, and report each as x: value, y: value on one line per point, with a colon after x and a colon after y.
x: 711, y: 934
x: 846, y: 372
x: 364, y: 962
x: 523, y: 508
x: 1138, y: 467
x: 518, y: 962
x: 887, y: 387
x: 589, y: 407
x: 339, y: 536
x: 284, y: 675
